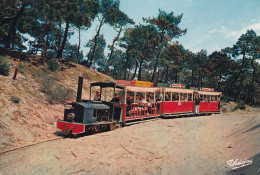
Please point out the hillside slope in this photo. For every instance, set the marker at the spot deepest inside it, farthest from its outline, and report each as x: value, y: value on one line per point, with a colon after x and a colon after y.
x: 34, y: 118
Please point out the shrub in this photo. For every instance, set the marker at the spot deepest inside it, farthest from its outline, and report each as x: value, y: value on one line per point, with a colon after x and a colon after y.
x: 240, y: 105
x: 47, y: 84
x: 53, y: 65
x: 227, y: 99
x: 15, y: 99
x: 54, y: 92
x: 4, y: 66
x: 60, y: 94
x: 224, y: 109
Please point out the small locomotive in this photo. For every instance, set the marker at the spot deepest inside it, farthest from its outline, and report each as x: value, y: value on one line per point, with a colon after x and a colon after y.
x: 88, y: 116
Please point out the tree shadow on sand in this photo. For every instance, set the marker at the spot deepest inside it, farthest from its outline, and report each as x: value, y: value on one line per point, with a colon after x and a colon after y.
x: 253, y: 128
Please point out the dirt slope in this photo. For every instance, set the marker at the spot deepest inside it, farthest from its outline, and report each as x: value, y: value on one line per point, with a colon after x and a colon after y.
x: 34, y: 119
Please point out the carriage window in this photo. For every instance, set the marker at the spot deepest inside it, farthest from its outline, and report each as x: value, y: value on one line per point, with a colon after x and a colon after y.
x: 168, y: 96
x: 181, y: 97
x: 189, y: 97
x: 175, y: 96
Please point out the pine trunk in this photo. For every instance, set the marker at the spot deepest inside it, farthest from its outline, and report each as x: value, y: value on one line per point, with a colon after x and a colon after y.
x: 60, y: 52
x: 112, y: 50
x: 95, y: 44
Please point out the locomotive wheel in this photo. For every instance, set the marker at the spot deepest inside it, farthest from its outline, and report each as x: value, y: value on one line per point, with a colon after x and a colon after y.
x: 97, y: 128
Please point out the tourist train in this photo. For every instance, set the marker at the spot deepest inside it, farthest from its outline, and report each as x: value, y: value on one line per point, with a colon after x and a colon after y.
x: 127, y: 102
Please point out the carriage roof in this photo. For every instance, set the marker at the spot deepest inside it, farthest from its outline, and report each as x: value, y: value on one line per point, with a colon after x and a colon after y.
x: 208, y: 93
x: 142, y: 89
x: 106, y: 85
x: 178, y: 90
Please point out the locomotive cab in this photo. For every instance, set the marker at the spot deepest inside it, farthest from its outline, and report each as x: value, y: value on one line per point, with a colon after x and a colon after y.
x: 86, y: 112
x: 88, y: 116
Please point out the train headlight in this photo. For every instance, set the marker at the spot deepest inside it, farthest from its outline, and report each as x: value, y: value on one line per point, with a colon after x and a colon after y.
x: 70, y: 116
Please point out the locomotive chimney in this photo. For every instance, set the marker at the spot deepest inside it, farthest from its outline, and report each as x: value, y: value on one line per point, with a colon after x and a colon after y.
x: 79, y: 92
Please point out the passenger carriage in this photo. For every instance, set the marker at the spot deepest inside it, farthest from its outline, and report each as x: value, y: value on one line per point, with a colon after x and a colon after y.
x: 177, y: 101
x: 210, y: 102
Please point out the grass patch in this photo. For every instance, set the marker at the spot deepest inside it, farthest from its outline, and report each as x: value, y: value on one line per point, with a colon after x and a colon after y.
x: 4, y: 66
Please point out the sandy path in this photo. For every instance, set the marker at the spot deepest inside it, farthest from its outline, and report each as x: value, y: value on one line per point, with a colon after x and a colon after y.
x: 195, y: 145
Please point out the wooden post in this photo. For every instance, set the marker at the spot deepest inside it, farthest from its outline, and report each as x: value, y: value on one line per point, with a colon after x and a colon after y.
x: 15, y: 73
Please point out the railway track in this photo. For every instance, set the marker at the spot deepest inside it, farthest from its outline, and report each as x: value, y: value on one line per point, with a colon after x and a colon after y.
x: 30, y: 145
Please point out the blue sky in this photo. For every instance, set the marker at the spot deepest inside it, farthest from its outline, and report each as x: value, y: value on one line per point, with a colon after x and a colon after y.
x: 211, y: 24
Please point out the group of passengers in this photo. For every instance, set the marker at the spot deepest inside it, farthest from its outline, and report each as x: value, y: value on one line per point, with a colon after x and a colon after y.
x: 141, y: 102
x: 176, y: 98
x: 115, y: 99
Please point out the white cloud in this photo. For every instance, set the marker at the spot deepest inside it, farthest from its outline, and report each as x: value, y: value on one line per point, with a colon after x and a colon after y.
x: 221, y: 30
x: 237, y: 34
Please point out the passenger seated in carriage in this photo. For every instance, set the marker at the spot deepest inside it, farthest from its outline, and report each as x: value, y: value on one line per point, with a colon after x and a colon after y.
x: 97, y: 96
x: 149, y: 94
x: 129, y: 102
x: 137, y: 99
x: 143, y: 100
x: 121, y: 101
x: 115, y: 99
x: 168, y: 97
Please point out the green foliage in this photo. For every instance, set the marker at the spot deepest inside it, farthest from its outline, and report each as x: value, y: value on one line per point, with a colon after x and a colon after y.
x: 4, y: 66
x: 53, y: 65
x: 146, y: 49
x: 240, y: 105
x: 99, y: 58
x: 226, y: 99
x: 15, y: 99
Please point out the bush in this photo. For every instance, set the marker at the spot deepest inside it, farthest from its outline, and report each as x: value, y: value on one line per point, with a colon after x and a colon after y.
x: 4, y: 66
x: 224, y: 109
x: 53, y: 65
x: 15, y: 99
x: 240, y: 105
x: 47, y: 84
x: 60, y: 94
x: 226, y: 98
x: 54, y: 92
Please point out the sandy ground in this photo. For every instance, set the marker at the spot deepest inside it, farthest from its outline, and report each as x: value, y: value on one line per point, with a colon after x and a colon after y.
x: 192, y: 145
